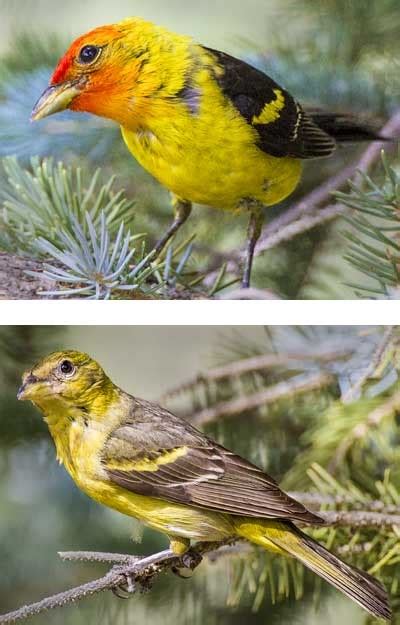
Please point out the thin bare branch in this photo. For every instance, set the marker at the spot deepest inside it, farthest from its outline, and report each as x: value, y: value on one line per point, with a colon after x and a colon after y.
x: 301, y: 225
x: 294, y: 386
x: 137, y: 572
x: 258, y: 363
x: 98, y: 556
x: 360, y: 519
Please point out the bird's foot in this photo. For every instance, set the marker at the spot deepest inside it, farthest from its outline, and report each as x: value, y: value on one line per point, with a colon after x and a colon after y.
x: 131, y: 585
x: 127, y: 589
x: 189, y: 561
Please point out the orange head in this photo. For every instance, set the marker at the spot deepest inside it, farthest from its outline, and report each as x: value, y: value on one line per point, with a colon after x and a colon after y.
x: 112, y: 72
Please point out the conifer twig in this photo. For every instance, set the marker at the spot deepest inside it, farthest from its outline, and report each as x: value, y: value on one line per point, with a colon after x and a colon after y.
x: 371, y: 421
x: 376, y: 361
x: 296, y: 385
x: 257, y: 363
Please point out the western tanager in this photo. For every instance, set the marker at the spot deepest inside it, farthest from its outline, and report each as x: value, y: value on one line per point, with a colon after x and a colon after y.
x: 209, y: 127
x: 140, y: 459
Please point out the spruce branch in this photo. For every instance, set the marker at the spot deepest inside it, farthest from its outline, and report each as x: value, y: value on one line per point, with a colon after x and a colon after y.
x: 258, y: 364
x: 77, y: 226
x: 374, y: 238
x: 378, y: 358
x: 295, y: 386
x: 48, y: 198
x: 361, y: 519
x: 361, y: 430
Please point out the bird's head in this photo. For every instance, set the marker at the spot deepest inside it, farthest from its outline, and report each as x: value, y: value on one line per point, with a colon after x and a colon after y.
x: 112, y: 72
x: 68, y: 379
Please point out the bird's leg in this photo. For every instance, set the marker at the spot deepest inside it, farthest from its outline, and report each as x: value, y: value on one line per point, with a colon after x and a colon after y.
x: 179, y: 545
x: 190, y: 559
x: 182, y: 210
x: 254, y: 232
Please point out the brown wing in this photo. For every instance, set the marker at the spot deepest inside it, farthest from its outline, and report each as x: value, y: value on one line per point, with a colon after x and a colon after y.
x: 159, y: 455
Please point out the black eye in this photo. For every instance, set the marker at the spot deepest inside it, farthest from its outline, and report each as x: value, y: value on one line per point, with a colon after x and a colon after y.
x: 67, y: 368
x: 88, y: 54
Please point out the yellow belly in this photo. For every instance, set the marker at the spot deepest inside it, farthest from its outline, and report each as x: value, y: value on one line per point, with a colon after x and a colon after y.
x: 168, y: 518
x: 211, y: 156
x: 77, y: 450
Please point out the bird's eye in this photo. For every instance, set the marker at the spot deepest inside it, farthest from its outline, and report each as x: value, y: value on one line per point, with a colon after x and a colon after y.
x: 67, y: 368
x: 88, y: 54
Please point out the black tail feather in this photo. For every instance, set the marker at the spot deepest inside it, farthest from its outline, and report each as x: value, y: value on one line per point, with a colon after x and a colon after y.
x: 346, y: 128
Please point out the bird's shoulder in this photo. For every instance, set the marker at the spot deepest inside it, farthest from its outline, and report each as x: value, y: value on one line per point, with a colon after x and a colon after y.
x: 148, y: 428
x: 283, y: 127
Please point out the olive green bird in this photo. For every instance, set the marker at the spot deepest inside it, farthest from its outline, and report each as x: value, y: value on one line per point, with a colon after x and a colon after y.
x: 136, y: 457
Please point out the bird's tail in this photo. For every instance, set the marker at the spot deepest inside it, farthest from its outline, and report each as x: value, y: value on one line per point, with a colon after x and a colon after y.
x: 287, y: 539
x: 345, y: 128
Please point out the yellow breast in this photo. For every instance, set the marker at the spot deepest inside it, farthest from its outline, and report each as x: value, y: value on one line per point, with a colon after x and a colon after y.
x: 208, y: 153
x: 78, y: 449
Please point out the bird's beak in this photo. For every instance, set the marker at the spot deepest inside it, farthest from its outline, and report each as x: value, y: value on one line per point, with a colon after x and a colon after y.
x: 27, y: 389
x: 55, y: 99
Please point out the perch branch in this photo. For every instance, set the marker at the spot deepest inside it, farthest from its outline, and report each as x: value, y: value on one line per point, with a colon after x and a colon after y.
x: 140, y: 571
x: 134, y: 572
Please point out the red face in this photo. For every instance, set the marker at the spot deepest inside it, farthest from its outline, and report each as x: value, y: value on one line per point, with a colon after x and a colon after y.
x: 98, y: 75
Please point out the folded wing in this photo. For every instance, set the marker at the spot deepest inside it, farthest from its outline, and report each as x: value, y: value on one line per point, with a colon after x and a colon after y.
x: 196, y: 471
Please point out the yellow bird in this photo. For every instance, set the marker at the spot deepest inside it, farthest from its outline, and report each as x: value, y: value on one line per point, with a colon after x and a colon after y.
x: 138, y: 458
x: 209, y: 127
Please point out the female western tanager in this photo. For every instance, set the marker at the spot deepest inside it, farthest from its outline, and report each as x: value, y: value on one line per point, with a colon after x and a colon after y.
x: 211, y: 128
x: 140, y: 459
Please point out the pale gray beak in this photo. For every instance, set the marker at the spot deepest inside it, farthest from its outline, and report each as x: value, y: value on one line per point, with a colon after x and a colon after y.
x: 55, y: 99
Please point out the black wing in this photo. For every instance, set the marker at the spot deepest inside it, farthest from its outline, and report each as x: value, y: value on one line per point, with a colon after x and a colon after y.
x: 159, y: 455
x: 283, y: 127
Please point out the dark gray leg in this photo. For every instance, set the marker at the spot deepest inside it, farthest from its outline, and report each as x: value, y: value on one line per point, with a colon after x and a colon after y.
x: 182, y: 212
x: 254, y: 232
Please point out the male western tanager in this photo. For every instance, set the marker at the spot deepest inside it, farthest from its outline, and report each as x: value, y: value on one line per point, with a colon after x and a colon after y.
x: 140, y: 459
x: 211, y: 128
